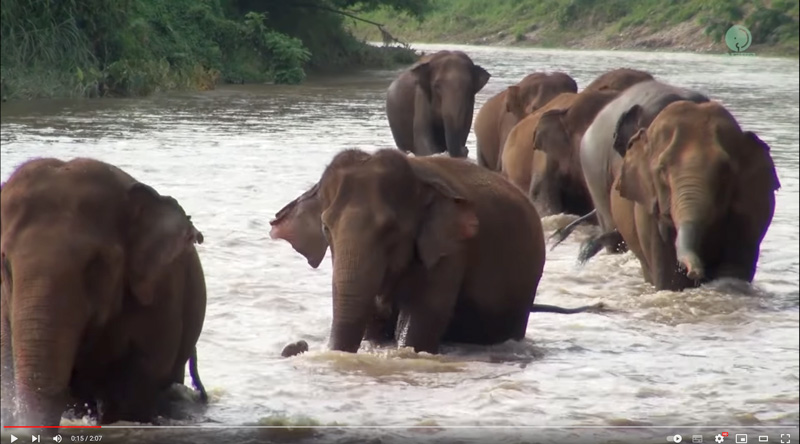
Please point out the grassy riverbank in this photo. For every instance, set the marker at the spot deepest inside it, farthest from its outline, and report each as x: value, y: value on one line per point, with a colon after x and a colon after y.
x: 90, y: 48
x: 677, y: 25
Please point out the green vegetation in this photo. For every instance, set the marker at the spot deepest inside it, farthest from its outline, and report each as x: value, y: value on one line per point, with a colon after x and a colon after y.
x: 89, y: 48
x: 684, y: 24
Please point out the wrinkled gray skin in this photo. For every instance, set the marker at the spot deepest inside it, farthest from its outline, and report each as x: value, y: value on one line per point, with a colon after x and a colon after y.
x: 430, y: 105
x: 614, y: 126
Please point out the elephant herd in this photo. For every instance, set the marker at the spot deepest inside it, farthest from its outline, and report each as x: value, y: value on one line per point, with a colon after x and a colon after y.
x: 103, y: 291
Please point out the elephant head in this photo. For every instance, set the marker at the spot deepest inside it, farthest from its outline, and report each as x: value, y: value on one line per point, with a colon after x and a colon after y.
x: 80, y: 240
x: 618, y: 80
x: 299, y: 221
x: 380, y: 215
x: 697, y: 174
x: 450, y: 80
x: 558, y: 136
x: 536, y: 90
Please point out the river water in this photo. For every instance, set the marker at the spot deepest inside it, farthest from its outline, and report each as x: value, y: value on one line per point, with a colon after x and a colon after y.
x: 724, y: 356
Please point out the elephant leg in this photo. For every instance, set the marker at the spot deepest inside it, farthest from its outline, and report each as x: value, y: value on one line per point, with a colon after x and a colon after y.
x: 664, y: 263
x: 740, y: 253
x: 381, y: 329
x: 545, y: 195
x: 425, y: 317
x: 7, y: 367
x: 424, y: 127
x: 131, y: 395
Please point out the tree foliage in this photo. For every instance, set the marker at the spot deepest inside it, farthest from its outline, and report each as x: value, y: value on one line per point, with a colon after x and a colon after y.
x: 134, y: 47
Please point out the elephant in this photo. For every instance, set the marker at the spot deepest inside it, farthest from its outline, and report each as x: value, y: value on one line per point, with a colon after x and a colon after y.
x: 695, y: 196
x: 557, y: 185
x: 613, y: 126
x: 618, y: 80
x: 103, y: 293
x: 501, y: 112
x: 518, y: 161
x: 451, y: 251
x: 430, y: 105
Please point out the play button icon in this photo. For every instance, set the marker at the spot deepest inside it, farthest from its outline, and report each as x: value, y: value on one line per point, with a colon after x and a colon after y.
x: 13, y: 438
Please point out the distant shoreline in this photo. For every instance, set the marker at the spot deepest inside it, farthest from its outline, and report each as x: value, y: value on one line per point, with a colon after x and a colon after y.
x: 689, y: 27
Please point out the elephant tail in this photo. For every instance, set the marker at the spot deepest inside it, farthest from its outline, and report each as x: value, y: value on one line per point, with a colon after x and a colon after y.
x: 563, y: 233
x: 595, y: 308
x: 196, y: 382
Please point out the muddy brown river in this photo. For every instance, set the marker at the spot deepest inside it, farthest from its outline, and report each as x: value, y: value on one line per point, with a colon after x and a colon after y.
x: 721, y: 358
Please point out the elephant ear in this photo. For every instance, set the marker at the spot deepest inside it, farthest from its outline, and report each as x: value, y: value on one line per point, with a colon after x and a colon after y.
x: 159, y: 231
x: 628, y: 124
x: 448, y: 219
x: 757, y: 174
x: 481, y: 78
x: 422, y: 73
x: 300, y: 224
x: 514, y: 102
x: 635, y: 178
x: 551, y: 133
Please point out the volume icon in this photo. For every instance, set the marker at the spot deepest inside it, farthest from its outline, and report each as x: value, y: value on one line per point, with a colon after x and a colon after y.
x: 57, y: 438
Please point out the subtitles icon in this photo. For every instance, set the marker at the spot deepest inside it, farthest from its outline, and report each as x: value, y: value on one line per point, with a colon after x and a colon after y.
x: 697, y: 439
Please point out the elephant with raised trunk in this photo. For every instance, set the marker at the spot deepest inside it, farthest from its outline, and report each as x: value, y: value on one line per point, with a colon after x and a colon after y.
x: 430, y: 105
x: 103, y: 293
x: 436, y: 248
x: 501, y: 112
x: 600, y: 161
x: 700, y: 196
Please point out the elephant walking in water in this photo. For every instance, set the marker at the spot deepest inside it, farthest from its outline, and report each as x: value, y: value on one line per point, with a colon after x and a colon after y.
x: 695, y: 196
x: 103, y: 293
x: 457, y: 249
x: 500, y: 113
x: 430, y: 105
x: 613, y: 126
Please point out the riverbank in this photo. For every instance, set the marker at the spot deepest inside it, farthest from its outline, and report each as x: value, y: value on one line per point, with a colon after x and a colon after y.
x: 99, y: 48
x: 683, y: 26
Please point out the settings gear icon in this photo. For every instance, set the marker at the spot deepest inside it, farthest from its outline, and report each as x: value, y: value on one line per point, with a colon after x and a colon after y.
x: 719, y: 439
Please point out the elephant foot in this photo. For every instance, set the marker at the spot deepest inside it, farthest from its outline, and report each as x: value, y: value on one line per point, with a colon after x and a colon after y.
x: 295, y: 348
x: 611, y: 241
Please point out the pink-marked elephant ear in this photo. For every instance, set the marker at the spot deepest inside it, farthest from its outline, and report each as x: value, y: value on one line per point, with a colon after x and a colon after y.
x: 481, y: 78
x: 551, y: 134
x: 448, y: 220
x: 635, y: 176
x: 422, y: 72
x: 159, y: 231
x: 628, y: 124
x: 757, y: 174
x: 300, y: 224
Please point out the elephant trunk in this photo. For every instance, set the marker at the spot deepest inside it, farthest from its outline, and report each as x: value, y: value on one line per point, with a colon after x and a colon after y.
x: 687, y: 244
x: 47, y: 328
x: 691, y: 212
x: 356, y: 282
x: 456, y: 128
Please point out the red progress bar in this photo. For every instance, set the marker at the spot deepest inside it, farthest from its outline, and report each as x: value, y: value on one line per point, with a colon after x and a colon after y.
x: 51, y: 427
